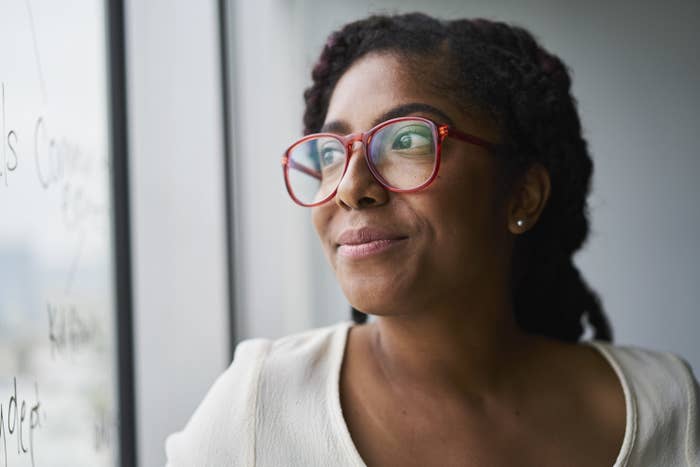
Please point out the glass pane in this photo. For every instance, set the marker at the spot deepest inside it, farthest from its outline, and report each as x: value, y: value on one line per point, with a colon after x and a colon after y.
x: 58, y: 360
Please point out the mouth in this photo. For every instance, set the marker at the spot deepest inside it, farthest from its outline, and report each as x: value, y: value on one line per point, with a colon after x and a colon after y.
x: 362, y: 250
x: 367, y: 241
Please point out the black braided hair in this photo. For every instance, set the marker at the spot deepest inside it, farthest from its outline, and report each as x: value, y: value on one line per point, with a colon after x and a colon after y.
x: 503, y: 71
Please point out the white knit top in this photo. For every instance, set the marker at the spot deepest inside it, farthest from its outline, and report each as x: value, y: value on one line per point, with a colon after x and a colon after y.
x: 278, y: 404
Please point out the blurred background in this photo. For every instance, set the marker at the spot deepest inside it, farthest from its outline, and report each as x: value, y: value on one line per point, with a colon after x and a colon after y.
x: 220, y: 252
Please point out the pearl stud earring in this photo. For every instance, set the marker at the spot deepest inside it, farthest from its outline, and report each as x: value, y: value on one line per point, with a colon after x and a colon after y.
x: 520, y: 222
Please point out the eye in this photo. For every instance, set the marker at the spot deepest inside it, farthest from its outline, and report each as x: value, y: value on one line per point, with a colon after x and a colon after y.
x: 413, y: 139
x: 332, y: 153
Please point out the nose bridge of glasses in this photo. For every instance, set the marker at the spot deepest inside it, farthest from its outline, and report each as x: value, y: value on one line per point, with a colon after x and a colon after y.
x: 351, y: 143
x: 351, y: 139
x: 354, y: 143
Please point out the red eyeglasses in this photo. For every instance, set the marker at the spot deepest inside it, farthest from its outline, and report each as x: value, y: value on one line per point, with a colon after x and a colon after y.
x: 403, y: 155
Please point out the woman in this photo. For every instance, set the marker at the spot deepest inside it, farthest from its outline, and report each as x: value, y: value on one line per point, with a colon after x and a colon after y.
x: 447, y: 177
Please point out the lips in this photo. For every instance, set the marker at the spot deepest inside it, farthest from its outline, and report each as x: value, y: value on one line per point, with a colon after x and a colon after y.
x: 366, y: 235
x: 358, y: 243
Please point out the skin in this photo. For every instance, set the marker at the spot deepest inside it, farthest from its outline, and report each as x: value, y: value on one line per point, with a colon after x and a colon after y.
x: 445, y: 376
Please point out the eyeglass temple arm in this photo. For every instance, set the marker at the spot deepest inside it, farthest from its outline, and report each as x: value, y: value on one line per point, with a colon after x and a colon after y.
x: 450, y: 131
x: 302, y: 168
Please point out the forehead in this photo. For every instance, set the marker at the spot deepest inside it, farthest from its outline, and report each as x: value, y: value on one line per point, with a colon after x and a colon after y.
x: 375, y: 84
x: 379, y: 82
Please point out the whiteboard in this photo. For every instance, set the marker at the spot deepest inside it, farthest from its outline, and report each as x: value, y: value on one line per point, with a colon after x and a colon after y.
x: 59, y: 369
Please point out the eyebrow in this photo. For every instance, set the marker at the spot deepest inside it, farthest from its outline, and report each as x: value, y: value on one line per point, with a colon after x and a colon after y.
x: 340, y: 126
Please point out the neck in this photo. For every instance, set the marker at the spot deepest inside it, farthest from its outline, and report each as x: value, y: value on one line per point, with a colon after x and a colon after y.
x: 456, y: 350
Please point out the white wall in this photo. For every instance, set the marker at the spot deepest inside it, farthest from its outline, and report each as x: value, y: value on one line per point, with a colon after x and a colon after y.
x: 636, y: 78
x: 178, y: 213
x: 274, y: 241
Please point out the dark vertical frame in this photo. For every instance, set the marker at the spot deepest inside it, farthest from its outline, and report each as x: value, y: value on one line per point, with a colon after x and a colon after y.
x: 121, y: 230
x: 226, y: 59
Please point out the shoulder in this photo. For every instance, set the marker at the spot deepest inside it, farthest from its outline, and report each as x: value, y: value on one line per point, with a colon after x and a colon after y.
x: 224, y: 417
x: 221, y: 431
x: 663, y: 396
x: 303, y: 352
x: 298, y: 384
x: 658, y: 379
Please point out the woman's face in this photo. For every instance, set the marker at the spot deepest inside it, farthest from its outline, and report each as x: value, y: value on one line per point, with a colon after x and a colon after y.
x: 448, y: 243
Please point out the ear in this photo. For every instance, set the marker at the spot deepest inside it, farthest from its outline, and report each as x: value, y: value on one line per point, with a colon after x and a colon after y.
x: 528, y: 199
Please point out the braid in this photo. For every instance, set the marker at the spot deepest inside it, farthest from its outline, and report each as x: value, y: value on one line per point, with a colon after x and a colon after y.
x: 504, y: 71
x: 550, y: 296
x: 335, y: 58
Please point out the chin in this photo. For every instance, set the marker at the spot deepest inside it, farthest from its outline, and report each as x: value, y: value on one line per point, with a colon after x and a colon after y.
x: 382, y: 285
x: 374, y: 297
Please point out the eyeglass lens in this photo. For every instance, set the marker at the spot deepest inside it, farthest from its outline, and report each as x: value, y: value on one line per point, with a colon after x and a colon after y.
x: 402, y: 153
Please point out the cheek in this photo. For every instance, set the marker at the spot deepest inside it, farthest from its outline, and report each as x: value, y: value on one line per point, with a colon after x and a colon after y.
x: 464, y: 215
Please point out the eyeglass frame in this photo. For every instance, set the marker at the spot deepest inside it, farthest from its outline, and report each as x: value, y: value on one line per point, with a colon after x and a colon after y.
x: 440, y: 132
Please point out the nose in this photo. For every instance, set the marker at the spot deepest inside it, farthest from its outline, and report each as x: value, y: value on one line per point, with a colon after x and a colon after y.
x: 358, y: 188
